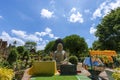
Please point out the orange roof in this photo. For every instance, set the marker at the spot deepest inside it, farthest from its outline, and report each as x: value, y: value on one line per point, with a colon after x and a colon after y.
x: 105, y: 52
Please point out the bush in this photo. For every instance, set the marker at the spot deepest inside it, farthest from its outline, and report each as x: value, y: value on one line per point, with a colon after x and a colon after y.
x: 6, y: 74
x: 19, y: 75
x: 116, y: 74
x: 73, y: 60
x: 26, y: 56
x: 12, y: 56
x: 47, y: 58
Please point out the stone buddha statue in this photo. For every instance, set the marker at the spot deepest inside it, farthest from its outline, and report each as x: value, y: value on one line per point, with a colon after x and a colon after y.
x: 60, y: 55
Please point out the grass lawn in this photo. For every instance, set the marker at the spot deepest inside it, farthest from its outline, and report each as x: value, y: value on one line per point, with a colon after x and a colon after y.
x: 60, y: 77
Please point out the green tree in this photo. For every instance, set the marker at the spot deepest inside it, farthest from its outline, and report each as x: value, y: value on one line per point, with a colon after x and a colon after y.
x: 75, y: 45
x: 20, y: 49
x: 108, y: 32
x: 40, y: 52
x: 26, y: 57
x: 73, y: 60
x: 29, y: 45
x: 14, y: 43
x: 12, y: 56
x: 49, y: 47
x: 96, y: 45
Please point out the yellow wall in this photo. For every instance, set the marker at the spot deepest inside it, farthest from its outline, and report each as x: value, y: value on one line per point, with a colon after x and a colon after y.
x: 43, y: 68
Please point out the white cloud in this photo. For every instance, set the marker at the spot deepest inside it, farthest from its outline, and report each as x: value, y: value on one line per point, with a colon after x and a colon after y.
x: 22, y: 36
x: 105, y: 8
x: 41, y: 33
x: 75, y: 16
x: 51, y: 35
x: 48, y: 32
x: 73, y: 10
x: 87, y: 40
x: 92, y: 29
x: 42, y: 45
x: 19, y: 33
x: 97, y: 13
x: 25, y: 36
x: 6, y: 37
x: 32, y: 37
x: 19, y: 41
x: 46, y: 14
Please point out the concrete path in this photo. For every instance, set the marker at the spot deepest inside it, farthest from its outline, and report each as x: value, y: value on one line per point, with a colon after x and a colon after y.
x: 85, y: 72
x: 26, y: 76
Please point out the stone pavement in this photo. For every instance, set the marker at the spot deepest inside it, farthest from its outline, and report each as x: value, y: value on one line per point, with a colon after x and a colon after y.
x: 79, y: 68
x: 26, y: 76
x: 85, y: 72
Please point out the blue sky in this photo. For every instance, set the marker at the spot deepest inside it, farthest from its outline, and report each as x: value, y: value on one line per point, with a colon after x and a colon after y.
x: 45, y: 20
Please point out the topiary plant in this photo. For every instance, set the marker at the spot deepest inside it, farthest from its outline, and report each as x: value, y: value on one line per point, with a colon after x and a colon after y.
x: 73, y: 60
x: 12, y: 56
x: 47, y: 58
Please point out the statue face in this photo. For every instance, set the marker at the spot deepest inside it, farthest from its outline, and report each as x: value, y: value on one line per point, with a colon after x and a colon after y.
x: 59, y: 46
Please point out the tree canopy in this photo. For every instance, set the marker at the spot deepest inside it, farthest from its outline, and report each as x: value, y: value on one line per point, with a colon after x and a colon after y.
x: 49, y: 46
x: 30, y: 45
x: 20, y: 49
x: 12, y: 56
x: 108, y: 32
x: 73, y: 43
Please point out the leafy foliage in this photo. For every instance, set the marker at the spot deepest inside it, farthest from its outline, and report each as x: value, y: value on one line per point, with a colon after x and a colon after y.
x: 12, y: 56
x: 116, y: 74
x: 26, y: 56
x: 73, y: 60
x: 75, y: 45
x: 6, y: 74
x: 47, y: 58
x: 20, y: 49
x: 108, y: 32
x: 50, y: 46
x: 30, y: 45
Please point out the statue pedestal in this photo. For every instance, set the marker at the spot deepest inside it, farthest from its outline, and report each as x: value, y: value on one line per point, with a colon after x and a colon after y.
x: 68, y: 69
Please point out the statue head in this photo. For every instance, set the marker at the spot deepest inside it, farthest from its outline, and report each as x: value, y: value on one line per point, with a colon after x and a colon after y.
x: 59, y: 46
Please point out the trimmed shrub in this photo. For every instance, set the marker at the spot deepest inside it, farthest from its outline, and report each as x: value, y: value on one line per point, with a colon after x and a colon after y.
x: 12, y: 56
x: 6, y: 74
x: 73, y: 60
x: 47, y: 58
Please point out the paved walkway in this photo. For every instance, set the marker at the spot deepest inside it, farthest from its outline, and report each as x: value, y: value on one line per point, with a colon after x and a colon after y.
x: 85, y: 72
x: 79, y: 68
x: 26, y: 76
